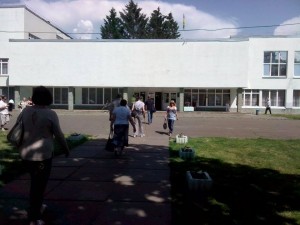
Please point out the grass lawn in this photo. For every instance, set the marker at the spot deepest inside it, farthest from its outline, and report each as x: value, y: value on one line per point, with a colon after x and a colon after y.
x: 255, y: 181
x: 10, y: 162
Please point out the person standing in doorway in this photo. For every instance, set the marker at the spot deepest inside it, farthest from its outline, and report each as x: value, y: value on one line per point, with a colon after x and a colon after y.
x: 139, y: 108
x: 150, y: 108
x: 268, y: 106
x: 171, y: 116
x: 41, y: 126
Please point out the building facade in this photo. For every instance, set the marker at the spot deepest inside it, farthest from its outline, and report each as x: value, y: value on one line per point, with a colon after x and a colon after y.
x: 235, y: 74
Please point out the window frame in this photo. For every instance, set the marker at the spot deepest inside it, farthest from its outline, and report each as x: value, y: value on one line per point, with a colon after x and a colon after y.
x: 296, y: 63
x: 274, y: 63
x: 248, y: 96
x: 4, y: 61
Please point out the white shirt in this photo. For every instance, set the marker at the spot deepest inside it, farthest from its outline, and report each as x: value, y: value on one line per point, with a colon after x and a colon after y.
x: 4, y: 110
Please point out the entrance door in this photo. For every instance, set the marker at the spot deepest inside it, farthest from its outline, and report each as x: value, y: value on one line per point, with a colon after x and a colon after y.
x: 158, y: 100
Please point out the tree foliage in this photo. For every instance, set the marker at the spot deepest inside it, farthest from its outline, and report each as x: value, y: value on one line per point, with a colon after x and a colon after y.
x: 133, y: 24
x: 112, y: 28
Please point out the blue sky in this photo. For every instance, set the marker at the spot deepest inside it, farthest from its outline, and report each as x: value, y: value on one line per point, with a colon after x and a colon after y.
x: 203, y: 18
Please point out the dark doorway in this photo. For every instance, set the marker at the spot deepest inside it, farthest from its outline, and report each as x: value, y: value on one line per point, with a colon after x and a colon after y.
x: 158, y: 100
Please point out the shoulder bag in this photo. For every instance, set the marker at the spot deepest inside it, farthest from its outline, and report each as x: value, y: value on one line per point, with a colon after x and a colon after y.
x: 16, y: 134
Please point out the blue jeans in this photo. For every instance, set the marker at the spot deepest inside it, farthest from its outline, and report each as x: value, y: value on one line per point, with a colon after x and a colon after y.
x: 150, y: 116
x: 171, y: 125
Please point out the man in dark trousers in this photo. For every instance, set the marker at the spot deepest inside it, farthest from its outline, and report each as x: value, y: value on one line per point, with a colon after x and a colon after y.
x: 268, y: 106
x: 150, y: 108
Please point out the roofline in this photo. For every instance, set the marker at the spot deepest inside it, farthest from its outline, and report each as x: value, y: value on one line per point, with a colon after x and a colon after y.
x: 133, y: 40
x: 29, y: 10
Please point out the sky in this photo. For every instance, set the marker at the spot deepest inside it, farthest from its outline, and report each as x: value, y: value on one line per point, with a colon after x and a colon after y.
x: 204, y: 19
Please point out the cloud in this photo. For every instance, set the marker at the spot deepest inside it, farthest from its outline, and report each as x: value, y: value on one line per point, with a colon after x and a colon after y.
x: 285, y: 29
x: 84, y: 29
x: 79, y: 16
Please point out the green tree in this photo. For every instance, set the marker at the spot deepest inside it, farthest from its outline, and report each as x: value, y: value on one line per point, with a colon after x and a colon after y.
x: 132, y: 24
x: 162, y: 27
x: 155, y: 28
x: 112, y: 28
x: 133, y: 21
x: 171, y: 27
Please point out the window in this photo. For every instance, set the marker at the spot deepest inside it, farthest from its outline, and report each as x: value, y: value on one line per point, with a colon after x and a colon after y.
x: 99, y: 96
x: 296, y: 98
x: 60, y: 95
x: 3, y: 66
x: 251, y: 97
x: 187, y: 97
x: 297, y: 64
x: 206, y: 97
x: 277, y: 97
x: 275, y: 63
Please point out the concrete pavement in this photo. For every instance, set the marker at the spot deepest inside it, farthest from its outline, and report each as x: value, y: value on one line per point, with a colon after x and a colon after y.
x: 92, y: 187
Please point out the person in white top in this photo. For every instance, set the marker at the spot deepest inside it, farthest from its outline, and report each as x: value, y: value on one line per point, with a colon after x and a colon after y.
x: 139, y: 108
x: 4, y: 114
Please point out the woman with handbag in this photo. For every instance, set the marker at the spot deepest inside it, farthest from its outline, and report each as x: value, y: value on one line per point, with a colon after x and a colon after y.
x: 171, y: 116
x: 41, y: 126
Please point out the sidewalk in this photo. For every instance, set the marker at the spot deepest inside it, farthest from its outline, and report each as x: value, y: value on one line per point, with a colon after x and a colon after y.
x: 92, y: 187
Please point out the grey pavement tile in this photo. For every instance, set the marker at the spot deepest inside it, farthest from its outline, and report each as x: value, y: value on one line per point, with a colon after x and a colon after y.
x: 122, y: 213
x: 78, y: 190
x: 111, y: 174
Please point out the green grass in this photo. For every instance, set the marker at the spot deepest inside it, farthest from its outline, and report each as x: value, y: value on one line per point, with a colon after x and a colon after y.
x: 255, y: 181
x: 288, y: 116
x: 10, y: 162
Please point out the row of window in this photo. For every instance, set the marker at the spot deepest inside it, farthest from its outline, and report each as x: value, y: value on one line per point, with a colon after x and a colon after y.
x: 277, y: 98
x: 206, y: 97
x: 275, y: 63
x: 90, y: 96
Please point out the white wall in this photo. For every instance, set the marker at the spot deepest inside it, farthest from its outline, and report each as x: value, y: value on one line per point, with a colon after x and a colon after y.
x: 220, y: 64
x: 18, y: 22
x: 12, y: 22
x: 257, y: 47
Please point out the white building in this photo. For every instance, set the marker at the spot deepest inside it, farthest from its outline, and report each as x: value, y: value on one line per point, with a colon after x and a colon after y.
x: 197, y: 74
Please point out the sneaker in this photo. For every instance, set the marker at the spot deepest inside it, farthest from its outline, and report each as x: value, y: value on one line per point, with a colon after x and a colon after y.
x: 134, y: 135
x: 2, y: 129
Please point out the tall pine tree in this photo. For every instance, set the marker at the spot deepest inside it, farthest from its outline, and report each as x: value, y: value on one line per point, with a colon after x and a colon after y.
x: 112, y: 28
x: 155, y: 27
x: 171, y: 27
x: 132, y: 24
x: 133, y: 21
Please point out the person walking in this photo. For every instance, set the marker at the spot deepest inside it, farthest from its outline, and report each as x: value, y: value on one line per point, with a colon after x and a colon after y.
x: 120, y: 126
x: 114, y: 104
x: 139, y: 109
x: 41, y: 126
x: 22, y: 104
x: 150, y: 108
x: 171, y: 116
x: 268, y: 106
x: 4, y: 114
